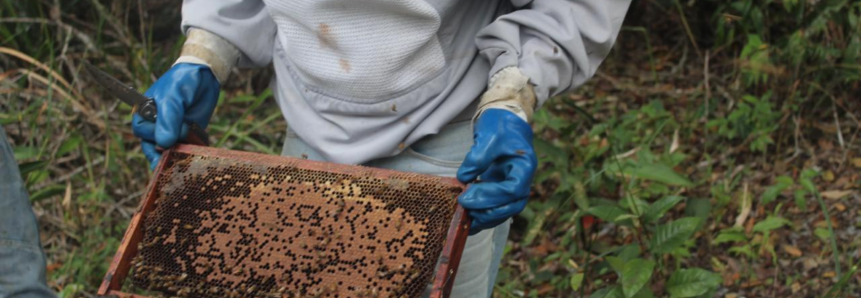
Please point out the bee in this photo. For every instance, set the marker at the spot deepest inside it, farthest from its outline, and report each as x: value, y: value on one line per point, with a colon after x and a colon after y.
x: 183, y: 291
x: 399, y: 224
x: 188, y: 226
x: 414, y: 274
x: 383, y: 271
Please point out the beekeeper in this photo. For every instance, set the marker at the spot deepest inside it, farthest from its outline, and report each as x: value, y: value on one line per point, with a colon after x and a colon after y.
x: 442, y: 87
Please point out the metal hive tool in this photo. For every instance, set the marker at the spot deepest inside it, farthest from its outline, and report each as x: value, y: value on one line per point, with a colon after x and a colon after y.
x: 221, y: 223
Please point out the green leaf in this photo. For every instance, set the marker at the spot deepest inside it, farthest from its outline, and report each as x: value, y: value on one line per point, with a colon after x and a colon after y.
x: 692, y: 282
x: 606, y: 212
x: 822, y: 233
x: 771, y: 193
x: 624, y: 217
x: 661, y: 173
x: 636, y: 274
x: 730, y: 235
x: 770, y: 223
x: 806, y: 180
x: 645, y: 292
x: 700, y: 208
x: 28, y: 167
x: 659, y: 208
x: 743, y: 250
x: 47, y: 192
x: 611, y: 292
x: 535, y: 226
x: 629, y: 252
x: 25, y: 152
x: 672, y: 235
x: 69, y: 145
x: 577, y: 281
x: 616, y: 263
x: 634, y: 204
x: 800, y: 199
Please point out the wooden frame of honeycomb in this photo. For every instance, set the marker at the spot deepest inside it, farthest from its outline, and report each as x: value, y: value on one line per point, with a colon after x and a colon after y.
x: 222, y: 223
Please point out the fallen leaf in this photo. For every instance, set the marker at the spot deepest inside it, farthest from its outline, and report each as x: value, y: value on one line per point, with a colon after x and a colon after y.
x: 796, y: 287
x: 829, y: 274
x: 751, y: 284
x: 730, y: 295
x: 840, y: 207
x: 835, y: 194
x: 675, y: 144
x: 824, y: 224
x: 857, y: 162
x: 825, y: 144
x: 730, y: 279
x: 53, y: 266
x: 792, y: 250
x: 809, y: 264
x: 828, y: 175
x: 67, y: 198
x: 745, y: 205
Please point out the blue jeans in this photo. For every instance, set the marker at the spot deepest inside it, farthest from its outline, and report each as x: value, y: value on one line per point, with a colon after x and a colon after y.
x: 22, y: 263
x: 440, y: 155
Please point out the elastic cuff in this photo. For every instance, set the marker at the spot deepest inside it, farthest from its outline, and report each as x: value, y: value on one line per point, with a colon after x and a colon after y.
x: 206, y: 48
x: 509, y: 90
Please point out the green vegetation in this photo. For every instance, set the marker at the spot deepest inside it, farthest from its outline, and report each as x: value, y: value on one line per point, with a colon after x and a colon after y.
x: 717, y: 153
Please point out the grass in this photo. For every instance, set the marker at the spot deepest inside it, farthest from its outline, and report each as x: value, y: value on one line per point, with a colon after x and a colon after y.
x: 721, y: 97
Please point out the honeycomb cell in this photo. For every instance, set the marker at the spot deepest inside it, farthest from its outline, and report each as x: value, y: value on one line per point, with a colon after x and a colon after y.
x: 227, y: 228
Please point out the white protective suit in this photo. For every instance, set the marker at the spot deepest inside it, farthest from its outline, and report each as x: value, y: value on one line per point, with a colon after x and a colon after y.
x: 363, y: 80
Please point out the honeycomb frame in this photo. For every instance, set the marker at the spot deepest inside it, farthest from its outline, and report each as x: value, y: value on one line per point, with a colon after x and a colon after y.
x: 134, y: 240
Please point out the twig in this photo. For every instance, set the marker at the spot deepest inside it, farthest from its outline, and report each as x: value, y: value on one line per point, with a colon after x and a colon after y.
x: 86, y: 40
x: 128, y: 198
x: 837, y: 122
x: 705, y: 118
x: 688, y: 28
x: 708, y: 87
x: 71, y: 174
x: 40, y: 65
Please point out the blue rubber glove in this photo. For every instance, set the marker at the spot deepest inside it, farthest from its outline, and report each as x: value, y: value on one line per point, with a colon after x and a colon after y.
x: 187, y: 92
x: 504, y: 158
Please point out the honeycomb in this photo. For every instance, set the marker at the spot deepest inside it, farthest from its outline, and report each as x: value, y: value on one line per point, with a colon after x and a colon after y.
x: 237, y: 228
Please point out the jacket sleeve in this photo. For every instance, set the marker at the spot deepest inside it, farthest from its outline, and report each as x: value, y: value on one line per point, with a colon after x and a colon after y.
x: 558, y: 44
x: 244, y: 23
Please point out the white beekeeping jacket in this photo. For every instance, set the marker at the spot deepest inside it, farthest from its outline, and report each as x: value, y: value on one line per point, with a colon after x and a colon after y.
x: 363, y: 79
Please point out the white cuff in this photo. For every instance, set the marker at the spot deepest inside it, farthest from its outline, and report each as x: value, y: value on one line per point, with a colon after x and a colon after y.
x: 205, y: 48
x: 509, y: 90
